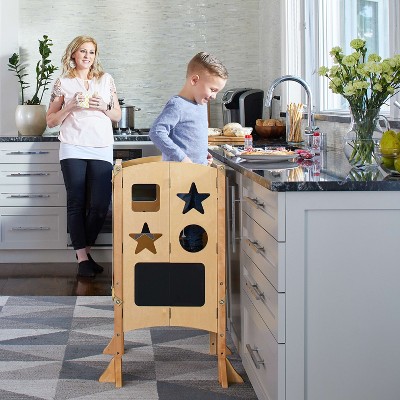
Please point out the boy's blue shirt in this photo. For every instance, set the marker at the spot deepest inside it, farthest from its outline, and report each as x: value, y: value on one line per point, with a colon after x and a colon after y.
x: 181, y: 130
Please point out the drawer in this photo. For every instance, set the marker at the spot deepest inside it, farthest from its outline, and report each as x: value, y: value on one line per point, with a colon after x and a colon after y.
x: 264, y: 251
x: 31, y: 174
x: 263, y: 358
x: 269, y: 303
x: 33, y: 228
x: 19, y: 153
x: 265, y: 207
x: 33, y: 196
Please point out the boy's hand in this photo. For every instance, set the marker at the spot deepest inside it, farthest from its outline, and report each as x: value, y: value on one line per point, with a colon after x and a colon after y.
x: 209, y: 159
x: 187, y: 160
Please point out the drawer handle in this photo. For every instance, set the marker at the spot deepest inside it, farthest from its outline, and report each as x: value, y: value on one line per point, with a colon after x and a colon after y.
x: 24, y: 153
x: 32, y: 228
x: 28, y: 196
x: 31, y: 174
x: 257, y: 362
x: 258, y: 295
x: 255, y: 202
x: 256, y: 246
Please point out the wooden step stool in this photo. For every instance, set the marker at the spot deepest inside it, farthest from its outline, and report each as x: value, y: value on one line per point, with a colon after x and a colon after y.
x: 157, y: 279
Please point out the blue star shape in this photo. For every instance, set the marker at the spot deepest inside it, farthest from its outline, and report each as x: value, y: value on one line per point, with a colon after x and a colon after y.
x: 193, y: 199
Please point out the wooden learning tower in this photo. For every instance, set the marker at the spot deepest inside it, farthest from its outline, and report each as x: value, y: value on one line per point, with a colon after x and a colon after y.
x: 157, y: 279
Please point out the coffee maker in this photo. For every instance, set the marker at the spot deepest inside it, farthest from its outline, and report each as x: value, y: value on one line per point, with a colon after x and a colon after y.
x: 243, y: 105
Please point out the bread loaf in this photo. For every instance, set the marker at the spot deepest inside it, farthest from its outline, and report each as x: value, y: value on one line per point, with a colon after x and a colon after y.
x: 232, y: 129
x: 214, y: 132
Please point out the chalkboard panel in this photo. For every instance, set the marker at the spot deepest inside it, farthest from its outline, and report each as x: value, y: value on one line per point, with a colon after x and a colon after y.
x: 170, y: 284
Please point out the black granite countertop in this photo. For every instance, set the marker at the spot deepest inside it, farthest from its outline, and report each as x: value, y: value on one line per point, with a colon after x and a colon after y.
x: 328, y: 172
x: 54, y: 138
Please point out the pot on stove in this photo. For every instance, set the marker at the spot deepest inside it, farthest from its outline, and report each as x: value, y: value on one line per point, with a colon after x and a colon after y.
x: 127, y: 120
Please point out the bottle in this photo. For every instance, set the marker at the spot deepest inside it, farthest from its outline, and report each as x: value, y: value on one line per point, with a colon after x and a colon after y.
x: 316, y: 143
x: 248, y: 143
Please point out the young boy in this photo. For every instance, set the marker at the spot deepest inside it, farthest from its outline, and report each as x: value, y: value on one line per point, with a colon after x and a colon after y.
x: 181, y: 130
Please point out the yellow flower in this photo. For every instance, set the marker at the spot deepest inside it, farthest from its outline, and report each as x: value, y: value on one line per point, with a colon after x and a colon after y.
x: 374, y: 57
x: 365, y: 81
x: 335, y: 50
x: 349, y: 61
x: 357, y: 44
x: 323, y: 71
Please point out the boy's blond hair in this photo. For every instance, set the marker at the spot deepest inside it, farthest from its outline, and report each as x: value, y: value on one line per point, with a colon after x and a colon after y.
x: 205, y: 61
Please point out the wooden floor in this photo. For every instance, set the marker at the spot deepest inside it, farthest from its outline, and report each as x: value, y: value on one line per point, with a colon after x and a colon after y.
x: 52, y: 279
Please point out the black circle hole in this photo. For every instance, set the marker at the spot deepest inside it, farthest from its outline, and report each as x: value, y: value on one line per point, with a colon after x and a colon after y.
x: 193, y: 238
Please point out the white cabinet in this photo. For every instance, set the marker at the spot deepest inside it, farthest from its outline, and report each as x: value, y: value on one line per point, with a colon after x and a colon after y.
x: 32, y: 197
x: 263, y: 289
x: 320, y: 293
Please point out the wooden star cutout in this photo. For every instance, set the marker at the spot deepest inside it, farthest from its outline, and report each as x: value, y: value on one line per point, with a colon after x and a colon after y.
x: 145, y: 239
x: 193, y: 199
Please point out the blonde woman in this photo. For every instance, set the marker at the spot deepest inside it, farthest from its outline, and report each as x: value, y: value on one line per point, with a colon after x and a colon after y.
x: 84, y: 103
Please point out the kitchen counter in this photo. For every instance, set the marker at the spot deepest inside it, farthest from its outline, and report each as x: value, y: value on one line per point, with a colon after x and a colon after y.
x: 54, y: 138
x: 334, y: 174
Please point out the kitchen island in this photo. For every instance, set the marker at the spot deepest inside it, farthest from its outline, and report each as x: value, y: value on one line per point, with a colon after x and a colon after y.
x: 319, y: 279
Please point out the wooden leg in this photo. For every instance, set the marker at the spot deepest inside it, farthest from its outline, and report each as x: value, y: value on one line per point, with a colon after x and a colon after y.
x: 213, y: 343
x: 233, y: 376
x: 113, y: 372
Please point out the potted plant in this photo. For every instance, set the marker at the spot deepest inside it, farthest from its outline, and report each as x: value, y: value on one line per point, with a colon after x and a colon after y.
x: 30, y: 115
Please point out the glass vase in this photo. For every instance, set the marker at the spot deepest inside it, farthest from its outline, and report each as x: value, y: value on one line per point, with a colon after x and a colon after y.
x: 364, y: 133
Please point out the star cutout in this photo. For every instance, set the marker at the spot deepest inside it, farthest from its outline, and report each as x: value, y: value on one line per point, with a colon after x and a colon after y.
x: 145, y: 239
x: 193, y: 199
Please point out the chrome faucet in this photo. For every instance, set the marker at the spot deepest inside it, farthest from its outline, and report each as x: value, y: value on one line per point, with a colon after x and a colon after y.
x: 276, y: 82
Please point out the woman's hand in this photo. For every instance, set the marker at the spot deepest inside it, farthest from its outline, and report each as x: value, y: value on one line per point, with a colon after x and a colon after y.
x: 97, y: 103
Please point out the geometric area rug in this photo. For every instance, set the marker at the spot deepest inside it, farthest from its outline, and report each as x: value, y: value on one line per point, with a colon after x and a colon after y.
x: 51, y: 348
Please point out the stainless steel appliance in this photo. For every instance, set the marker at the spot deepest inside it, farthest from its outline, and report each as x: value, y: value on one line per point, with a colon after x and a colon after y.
x: 233, y: 224
x: 127, y: 121
x: 244, y: 106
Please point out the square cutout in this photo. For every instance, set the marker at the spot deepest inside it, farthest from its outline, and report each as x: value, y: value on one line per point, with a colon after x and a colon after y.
x: 145, y: 197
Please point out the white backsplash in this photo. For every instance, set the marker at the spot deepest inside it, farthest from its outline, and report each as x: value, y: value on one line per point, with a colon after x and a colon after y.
x: 145, y: 45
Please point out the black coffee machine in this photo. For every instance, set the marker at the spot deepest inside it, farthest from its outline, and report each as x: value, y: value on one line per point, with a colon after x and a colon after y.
x: 244, y: 106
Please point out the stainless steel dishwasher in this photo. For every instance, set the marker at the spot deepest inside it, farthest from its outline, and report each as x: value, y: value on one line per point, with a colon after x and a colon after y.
x: 233, y: 236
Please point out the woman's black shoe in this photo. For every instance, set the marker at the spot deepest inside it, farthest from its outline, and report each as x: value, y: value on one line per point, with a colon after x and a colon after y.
x: 85, y: 269
x: 97, y: 268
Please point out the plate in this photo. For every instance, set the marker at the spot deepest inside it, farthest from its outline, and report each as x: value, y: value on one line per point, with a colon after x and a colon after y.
x: 268, y: 158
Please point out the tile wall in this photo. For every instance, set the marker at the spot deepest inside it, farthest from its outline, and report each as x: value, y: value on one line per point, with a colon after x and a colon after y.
x: 146, y: 44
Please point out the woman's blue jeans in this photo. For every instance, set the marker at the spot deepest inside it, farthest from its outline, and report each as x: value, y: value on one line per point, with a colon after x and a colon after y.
x: 88, y: 186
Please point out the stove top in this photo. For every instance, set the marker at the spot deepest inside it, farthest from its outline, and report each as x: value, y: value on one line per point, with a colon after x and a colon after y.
x: 131, y: 134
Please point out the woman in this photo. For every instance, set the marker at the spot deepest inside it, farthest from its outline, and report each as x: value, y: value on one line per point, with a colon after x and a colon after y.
x: 84, y: 102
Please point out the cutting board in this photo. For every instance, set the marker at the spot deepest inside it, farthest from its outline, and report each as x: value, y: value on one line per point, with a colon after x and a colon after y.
x: 226, y: 139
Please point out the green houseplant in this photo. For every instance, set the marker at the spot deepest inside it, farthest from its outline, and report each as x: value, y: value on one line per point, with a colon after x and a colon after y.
x: 32, y: 120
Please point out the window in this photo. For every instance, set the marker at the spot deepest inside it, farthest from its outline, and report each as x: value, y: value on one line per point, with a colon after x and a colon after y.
x: 315, y: 26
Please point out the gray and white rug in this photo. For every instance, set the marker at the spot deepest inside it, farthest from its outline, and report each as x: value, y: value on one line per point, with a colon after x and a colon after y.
x: 51, y: 348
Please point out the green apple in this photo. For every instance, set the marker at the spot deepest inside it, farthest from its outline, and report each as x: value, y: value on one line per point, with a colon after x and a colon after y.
x: 388, y: 162
x: 389, y: 142
x: 397, y: 164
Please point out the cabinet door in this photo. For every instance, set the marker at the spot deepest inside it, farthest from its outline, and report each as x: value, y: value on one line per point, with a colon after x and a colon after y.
x: 31, y: 174
x: 263, y: 358
x: 265, y: 207
x: 32, y: 196
x: 29, y: 153
x: 33, y: 228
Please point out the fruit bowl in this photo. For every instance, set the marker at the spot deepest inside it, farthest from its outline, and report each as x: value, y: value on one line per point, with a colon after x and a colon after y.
x: 388, y: 159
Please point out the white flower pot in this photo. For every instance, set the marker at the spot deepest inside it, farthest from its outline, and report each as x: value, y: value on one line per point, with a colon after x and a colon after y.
x: 30, y: 119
